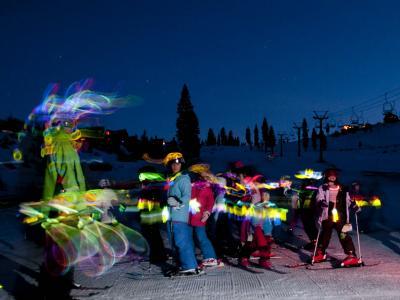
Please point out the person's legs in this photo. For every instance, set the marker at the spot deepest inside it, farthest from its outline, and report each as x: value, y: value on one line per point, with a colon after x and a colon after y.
x: 263, y: 246
x: 245, y: 252
x: 347, y: 244
x: 204, y: 243
x: 345, y: 240
x: 234, y: 234
x: 326, y: 234
x: 307, y: 218
x: 183, y: 238
x: 221, y: 240
x: 152, y: 234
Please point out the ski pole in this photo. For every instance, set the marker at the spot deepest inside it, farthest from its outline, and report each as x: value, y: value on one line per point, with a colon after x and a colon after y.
x: 171, y: 231
x: 358, y: 241
x: 316, y: 243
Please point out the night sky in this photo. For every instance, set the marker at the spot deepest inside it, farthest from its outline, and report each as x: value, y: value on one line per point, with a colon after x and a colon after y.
x: 242, y: 60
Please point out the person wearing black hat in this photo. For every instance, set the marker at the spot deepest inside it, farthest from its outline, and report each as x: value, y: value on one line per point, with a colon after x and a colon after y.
x: 334, y: 204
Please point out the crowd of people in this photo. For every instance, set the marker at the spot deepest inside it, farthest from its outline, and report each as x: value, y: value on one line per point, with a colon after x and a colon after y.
x: 228, y: 215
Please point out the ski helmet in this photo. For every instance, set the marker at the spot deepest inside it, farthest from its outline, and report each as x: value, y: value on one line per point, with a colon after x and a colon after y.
x: 173, y: 157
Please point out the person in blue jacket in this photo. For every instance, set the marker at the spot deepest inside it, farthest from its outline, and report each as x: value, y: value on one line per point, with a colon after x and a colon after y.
x: 178, y: 197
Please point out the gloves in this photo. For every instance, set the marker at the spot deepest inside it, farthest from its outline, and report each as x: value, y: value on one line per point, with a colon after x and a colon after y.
x: 205, y: 217
x: 173, y: 202
x: 347, y: 228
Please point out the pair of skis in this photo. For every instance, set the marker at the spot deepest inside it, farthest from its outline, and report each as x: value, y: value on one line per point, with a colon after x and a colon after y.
x: 253, y: 268
x: 335, y: 263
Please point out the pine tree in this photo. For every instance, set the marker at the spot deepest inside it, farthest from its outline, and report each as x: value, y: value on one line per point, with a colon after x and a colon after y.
x: 256, y: 138
x: 224, y: 138
x: 187, y: 126
x: 231, y: 140
x: 248, y: 137
x: 264, y: 132
x: 272, y: 138
x: 211, y: 139
x: 305, y: 134
x: 219, y: 140
x: 314, y: 138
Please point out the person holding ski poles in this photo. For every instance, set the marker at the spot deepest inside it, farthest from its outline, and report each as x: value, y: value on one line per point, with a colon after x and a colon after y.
x: 334, y: 205
x: 178, y: 197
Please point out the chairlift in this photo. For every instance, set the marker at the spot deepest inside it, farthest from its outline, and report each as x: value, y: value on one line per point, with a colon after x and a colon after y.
x: 388, y: 107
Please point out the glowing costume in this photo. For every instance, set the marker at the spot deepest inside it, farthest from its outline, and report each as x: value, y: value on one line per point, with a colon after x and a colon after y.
x: 63, y: 167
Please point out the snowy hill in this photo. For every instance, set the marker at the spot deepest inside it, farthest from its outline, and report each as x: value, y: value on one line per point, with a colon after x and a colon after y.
x: 376, y: 164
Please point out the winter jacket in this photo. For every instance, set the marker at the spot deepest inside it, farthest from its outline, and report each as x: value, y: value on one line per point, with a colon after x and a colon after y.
x: 343, y: 203
x: 203, y: 194
x: 181, y: 189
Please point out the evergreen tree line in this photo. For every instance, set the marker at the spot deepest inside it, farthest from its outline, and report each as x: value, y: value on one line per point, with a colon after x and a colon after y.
x: 266, y: 141
x: 222, y: 139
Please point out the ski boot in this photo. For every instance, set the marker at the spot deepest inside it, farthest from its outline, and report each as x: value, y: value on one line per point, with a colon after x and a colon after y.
x: 265, y: 263
x: 244, y: 262
x: 320, y: 256
x: 262, y: 253
x: 351, y: 261
x: 211, y: 263
x: 188, y: 273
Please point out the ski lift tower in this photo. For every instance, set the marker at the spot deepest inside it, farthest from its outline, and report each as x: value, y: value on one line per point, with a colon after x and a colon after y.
x: 389, y: 112
x: 281, y: 135
x: 320, y: 118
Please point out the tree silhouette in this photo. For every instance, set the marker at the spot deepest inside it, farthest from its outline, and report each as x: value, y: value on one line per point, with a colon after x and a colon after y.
x: 224, y: 138
x: 187, y: 126
x: 256, y: 138
x: 272, y: 138
x: 264, y: 132
x: 248, y: 137
x: 305, y: 134
x: 211, y: 139
x: 231, y: 140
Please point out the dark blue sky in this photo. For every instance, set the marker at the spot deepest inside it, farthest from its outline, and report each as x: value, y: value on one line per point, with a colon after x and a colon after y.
x: 242, y: 60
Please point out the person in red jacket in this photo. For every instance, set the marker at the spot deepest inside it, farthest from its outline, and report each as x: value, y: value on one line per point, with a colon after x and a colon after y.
x: 201, y: 206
